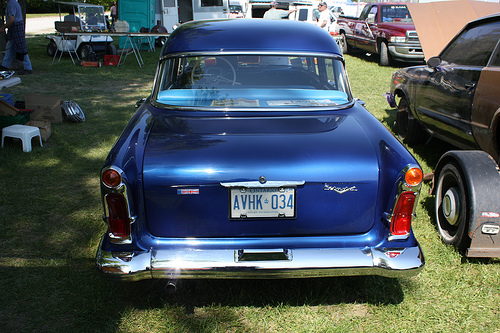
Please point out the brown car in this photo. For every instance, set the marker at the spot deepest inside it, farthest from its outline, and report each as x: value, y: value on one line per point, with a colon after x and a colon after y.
x: 456, y: 98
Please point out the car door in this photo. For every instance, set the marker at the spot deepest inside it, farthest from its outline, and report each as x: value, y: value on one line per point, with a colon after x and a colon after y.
x: 486, y: 107
x: 444, y: 97
x: 364, y: 35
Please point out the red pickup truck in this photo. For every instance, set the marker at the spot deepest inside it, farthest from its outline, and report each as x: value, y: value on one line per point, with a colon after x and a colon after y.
x: 382, y: 28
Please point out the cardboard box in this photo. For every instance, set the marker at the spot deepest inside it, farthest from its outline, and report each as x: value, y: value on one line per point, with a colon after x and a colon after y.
x: 7, y: 110
x: 45, y: 107
x: 44, y: 127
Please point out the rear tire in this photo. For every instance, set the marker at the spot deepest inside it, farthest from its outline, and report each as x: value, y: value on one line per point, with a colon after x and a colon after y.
x: 452, y: 206
x: 111, y: 49
x: 84, y: 51
x: 407, y: 127
x: 385, y: 57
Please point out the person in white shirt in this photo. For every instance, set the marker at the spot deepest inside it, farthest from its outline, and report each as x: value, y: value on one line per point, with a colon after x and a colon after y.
x: 324, y: 20
x: 277, y: 14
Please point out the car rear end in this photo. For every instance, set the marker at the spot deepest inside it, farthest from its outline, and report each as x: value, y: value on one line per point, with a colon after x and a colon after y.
x: 234, y: 169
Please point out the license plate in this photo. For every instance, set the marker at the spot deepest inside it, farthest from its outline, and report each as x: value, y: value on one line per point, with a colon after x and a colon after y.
x: 263, y: 202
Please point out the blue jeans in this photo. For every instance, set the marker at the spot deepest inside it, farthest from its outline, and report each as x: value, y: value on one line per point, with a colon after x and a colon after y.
x: 9, y: 56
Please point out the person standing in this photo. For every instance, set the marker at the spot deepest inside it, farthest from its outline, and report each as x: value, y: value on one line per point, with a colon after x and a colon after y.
x: 113, y: 13
x: 277, y: 14
x: 16, y: 45
x: 71, y: 17
x: 324, y: 20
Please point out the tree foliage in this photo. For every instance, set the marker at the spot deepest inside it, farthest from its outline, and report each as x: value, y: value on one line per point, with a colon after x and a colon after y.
x: 48, y: 6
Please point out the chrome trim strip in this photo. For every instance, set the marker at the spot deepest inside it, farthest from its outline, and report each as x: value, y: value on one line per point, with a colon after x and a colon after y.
x: 223, y: 264
x: 258, y: 52
x: 267, y: 184
x: 221, y: 110
x: 393, y: 238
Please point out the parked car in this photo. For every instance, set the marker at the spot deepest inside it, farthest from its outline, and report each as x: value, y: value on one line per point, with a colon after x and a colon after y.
x: 251, y: 159
x: 455, y: 98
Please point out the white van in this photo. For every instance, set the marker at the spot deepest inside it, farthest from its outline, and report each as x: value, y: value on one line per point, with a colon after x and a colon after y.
x: 175, y: 12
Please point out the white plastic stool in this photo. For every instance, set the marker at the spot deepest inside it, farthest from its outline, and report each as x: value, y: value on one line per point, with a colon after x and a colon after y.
x: 23, y: 132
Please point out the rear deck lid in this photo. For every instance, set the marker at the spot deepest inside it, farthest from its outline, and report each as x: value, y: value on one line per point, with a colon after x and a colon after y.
x: 211, y: 177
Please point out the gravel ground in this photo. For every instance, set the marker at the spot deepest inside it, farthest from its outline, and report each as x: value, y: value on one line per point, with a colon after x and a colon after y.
x: 41, y: 25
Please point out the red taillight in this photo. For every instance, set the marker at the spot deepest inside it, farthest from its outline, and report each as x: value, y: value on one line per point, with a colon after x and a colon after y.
x: 401, y: 219
x: 111, y: 178
x: 118, y: 220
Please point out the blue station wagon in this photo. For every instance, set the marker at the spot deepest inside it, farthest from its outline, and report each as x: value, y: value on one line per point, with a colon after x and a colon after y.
x: 251, y: 159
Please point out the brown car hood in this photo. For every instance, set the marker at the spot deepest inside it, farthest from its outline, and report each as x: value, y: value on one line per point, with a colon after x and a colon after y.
x: 438, y: 22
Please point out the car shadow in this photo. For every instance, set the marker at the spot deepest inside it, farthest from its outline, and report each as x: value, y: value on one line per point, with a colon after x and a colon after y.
x: 107, y: 303
x: 191, y: 294
x: 198, y: 303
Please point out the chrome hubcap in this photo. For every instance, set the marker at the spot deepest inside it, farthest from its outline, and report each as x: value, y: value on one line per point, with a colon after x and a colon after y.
x: 451, y: 206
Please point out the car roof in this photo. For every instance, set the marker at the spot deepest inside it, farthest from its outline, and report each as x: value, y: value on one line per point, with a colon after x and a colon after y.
x: 250, y: 35
x: 482, y: 20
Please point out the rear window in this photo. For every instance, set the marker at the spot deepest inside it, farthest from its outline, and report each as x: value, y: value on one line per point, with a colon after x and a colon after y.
x: 395, y: 13
x: 252, y: 81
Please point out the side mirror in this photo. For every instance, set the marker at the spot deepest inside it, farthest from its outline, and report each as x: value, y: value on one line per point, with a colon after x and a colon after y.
x: 434, y: 62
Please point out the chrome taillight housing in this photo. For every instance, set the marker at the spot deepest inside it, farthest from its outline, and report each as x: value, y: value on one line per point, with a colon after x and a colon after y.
x: 407, y: 195
x: 401, y: 218
x: 116, y: 206
x: 117, y: 217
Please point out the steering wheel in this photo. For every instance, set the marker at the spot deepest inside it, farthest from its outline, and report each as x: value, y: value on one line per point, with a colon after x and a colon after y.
x: 221, y: 73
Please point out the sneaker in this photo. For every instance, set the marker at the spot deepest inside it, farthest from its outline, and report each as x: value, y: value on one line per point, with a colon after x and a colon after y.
x: 3, y: 68
x: 24, y: 72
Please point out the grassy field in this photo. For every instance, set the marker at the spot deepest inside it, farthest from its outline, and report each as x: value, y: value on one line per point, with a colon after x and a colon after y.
x: 50, y: 225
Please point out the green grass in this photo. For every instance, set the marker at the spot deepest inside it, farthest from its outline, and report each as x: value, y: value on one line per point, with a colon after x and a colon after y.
x: 50, y: 225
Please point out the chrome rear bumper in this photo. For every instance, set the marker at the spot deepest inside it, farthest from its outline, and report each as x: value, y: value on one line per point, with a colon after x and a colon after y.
x: 260, y: 264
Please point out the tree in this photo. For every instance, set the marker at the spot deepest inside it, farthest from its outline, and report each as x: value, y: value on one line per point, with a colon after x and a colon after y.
x: 49, y: 6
